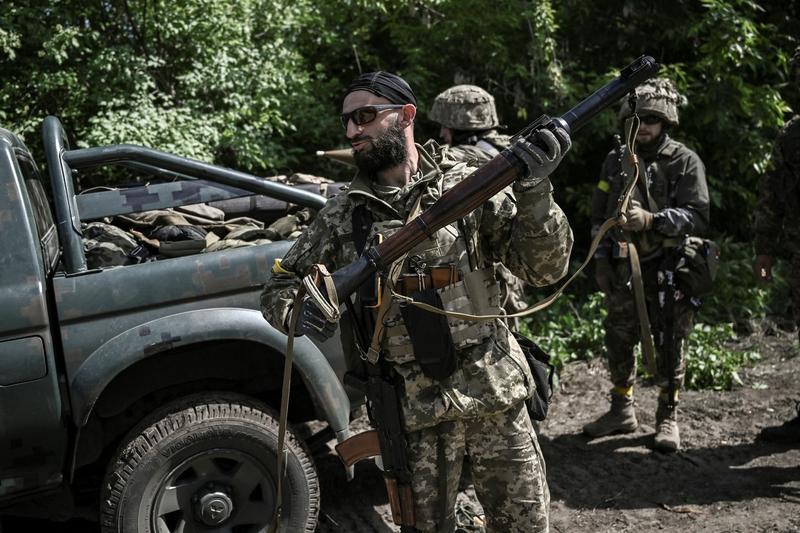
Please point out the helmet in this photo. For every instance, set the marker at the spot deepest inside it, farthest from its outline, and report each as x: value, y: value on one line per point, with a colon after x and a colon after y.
x: 464, y: 107
x: 656, y: 97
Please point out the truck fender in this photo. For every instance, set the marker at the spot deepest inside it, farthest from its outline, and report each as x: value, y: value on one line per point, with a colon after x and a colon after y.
x: 191, y: 327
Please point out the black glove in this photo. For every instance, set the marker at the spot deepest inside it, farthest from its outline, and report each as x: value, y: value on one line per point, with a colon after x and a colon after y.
x: 312, y: 322
x: 541, y: 162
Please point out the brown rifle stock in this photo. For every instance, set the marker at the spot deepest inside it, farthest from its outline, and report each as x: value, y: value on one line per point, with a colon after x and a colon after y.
x: 485, y: 182
x: 365, y: 445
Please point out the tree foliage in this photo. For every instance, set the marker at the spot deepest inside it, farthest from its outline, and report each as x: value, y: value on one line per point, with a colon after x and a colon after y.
x: 214, y: 80
x: 256, y: 84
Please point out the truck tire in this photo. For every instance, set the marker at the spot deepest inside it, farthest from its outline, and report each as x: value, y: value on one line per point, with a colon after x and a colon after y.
x: 207, y: 462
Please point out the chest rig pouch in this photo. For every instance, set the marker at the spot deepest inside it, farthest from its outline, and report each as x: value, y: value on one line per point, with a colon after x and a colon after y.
x: 439, y: 273
x: 436, y: 339
x: 430, y: 336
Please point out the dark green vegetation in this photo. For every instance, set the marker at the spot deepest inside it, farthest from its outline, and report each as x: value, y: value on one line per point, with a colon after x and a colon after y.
x: 256, y: 84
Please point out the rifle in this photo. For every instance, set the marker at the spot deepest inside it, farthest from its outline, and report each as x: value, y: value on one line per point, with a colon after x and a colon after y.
x: 387, y: 441
x: 485, y: 182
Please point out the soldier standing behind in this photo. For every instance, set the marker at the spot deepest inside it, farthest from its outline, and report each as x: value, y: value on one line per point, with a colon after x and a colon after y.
x: 674, y: 203
x: 777, y: 228
x: 476, y: 406
x: 468, y: 123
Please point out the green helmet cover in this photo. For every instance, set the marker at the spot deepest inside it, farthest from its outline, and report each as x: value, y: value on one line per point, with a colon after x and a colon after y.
x: 656, y: 97
x: 464, y: 107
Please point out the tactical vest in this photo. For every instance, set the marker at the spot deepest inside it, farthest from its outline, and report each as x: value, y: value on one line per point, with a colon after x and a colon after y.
x: 492, y: 374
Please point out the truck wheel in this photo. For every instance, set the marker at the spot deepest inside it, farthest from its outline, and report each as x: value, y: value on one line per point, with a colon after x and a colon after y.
x: 204, y: 463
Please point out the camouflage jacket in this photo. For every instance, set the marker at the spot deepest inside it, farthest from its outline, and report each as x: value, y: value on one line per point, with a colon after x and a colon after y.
x: 676, y: 181
x: 777, y: 219
x: 528, y: 232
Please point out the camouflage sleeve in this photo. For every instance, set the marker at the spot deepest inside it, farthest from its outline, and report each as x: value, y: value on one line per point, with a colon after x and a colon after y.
x: 770, y: 207
x: 690, y: 212
x: 527, y: 232
x: 318, y: 244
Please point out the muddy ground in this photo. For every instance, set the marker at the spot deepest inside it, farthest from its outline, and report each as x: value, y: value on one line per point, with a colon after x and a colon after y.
x: 723, y: 480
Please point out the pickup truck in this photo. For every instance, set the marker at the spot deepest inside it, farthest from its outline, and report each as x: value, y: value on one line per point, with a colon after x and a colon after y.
x: 145, y: 396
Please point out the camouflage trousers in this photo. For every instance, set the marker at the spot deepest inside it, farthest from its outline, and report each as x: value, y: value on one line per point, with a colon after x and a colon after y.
x: 622, y: 328
x: 508, y: 471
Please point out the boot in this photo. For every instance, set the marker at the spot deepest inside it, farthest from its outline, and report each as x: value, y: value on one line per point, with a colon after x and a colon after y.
x: 787, y: 432
x: 668, y: 438
x: 621, y: 418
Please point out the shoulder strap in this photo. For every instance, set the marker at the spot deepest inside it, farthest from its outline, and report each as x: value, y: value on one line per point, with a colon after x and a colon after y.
x: 386, y: 294
x: 362, y: 220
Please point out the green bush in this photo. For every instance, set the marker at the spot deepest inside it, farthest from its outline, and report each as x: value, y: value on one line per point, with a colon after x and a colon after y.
x: 711, y: 361
x: 571, y: 331
x: 567, y: 330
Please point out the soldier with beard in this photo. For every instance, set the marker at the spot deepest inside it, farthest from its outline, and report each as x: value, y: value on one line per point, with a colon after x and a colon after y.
x: 476, y: 407
x: 670, y: 201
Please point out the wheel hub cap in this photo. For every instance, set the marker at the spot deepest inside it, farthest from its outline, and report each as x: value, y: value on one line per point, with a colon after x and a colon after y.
x: 214, y: 508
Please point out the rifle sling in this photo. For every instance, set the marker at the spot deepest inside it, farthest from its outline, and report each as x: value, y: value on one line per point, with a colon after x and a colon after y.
x: 648, y: 347
x: 284, y: 414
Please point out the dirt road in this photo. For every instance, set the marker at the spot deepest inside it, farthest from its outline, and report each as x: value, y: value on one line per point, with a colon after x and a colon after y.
x: 724, y: 480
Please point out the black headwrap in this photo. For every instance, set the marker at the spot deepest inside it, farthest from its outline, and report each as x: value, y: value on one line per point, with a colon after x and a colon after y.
x: 385, y: 84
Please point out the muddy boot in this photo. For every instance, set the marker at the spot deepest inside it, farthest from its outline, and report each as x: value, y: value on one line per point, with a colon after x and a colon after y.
x: 668, y: 438
x: 787, y: 432
x: 621, y: 418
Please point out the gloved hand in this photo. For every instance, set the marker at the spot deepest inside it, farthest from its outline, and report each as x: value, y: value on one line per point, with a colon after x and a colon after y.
x: 762, y: 267
x: 604, y: 275
x: 638, y: 218
x: 312, y: 322
x: 541, y: 162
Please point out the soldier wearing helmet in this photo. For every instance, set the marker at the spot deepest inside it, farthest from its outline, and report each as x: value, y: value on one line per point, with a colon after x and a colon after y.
x: 468, y: 120
x: 670, y: 202
x: 777, y: 226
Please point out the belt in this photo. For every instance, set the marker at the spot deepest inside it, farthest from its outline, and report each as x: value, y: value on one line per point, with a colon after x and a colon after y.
x: 432, y: 278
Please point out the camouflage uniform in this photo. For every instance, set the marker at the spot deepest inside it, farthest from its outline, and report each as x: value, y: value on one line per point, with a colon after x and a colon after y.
x: 479, y: 409
x: 677, y: 184
x: 470, y: 110
x: 777, y: 217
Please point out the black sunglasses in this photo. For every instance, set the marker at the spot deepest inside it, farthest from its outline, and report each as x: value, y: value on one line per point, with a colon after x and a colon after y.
x: 650, y: 119
x: 366, y: 114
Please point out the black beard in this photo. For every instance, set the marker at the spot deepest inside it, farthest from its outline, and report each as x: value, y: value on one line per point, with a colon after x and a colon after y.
x: 388, y: 150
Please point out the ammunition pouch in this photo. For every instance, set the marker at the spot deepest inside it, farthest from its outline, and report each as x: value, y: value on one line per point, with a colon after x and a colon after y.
x: 697, y: 266
x: 542, y: 371
x: 477, y: 292
x: 430, y: 336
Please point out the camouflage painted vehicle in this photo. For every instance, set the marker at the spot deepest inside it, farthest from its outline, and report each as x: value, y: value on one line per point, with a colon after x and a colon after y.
x: 151, y: 388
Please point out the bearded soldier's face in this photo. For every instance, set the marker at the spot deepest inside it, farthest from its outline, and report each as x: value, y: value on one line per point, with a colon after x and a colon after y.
x: 378, y: 144
x: 650, y: 129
